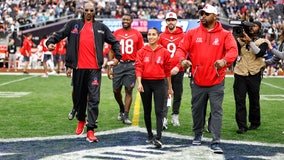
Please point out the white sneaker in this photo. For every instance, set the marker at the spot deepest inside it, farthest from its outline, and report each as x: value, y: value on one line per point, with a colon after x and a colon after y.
x: 120, y: 116
x: 175, y: 120
x: 165, y: 123
x: 126, y: 121
x: 53, y: 72
x: 45, y: 75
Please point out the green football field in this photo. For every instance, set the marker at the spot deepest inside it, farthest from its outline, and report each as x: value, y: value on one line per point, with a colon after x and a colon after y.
x: 32, y: 106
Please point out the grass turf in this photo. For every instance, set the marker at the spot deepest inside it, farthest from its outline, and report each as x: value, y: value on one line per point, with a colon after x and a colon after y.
x: 43, y: 112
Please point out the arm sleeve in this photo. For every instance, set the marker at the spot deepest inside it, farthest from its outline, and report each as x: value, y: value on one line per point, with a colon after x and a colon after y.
x: 272, y: 60
x: 231, y: 49
x: 138, y: 64
x: 59, y: 35
x: 183, y: 49
x: 115, y: 46
x: 259, y: 51
x: 278, y: 53
x: 167, y: 64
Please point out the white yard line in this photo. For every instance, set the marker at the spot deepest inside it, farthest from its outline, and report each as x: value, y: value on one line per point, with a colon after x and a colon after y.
x: 18, y: 80
x: 271, y: 85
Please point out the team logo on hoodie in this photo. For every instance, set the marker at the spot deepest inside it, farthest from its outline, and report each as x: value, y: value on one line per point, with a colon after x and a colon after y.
x: 216, y: 42
x: 198, y: 40
x: 159, y: 60
x: 146, y: 59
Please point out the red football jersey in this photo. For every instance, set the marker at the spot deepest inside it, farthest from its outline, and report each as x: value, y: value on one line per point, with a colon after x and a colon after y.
x: 171, y: 41
x: 130, y: 42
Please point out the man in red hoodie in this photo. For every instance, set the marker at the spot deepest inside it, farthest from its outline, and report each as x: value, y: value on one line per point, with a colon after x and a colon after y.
x: 170, y: 39
x: 212, y: 49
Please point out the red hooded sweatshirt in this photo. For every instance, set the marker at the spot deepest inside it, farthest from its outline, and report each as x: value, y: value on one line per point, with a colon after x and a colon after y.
x: 205, y: 47
x: 153, y: 64
x: 171, y: 41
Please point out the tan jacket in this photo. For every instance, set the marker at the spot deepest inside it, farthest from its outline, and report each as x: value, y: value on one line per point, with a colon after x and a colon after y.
x: 249, y: 63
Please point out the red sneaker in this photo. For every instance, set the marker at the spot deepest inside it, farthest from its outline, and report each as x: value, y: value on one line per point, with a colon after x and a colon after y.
x: 91, y: 136
x: 80, y: 127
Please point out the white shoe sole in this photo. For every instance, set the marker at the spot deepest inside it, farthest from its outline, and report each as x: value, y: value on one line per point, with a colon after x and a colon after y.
x: 87, y: 139
x: 219, y: 151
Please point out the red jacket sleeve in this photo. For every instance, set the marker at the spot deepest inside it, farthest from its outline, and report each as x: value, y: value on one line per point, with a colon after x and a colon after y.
x: 230, y: 49
x: 138, y: 63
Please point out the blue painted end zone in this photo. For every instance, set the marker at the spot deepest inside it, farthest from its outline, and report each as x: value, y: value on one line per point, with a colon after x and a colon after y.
x: 129, y: 143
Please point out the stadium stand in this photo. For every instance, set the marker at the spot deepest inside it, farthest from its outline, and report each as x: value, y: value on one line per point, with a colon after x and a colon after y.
x: 17, y: 16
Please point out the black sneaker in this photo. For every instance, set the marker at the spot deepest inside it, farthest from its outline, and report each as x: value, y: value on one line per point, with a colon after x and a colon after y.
x: 149, y: 139
x: 157, y: 143
x: 197, y: 139
x: 241, y: 130
x: 216, y: 148
x: 253, y: 127
x: 71, y: 115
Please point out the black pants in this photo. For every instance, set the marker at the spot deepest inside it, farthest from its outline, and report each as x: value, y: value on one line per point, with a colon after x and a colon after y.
x: 158, y: 89
x: 86, y: 90
x: 247, y: 85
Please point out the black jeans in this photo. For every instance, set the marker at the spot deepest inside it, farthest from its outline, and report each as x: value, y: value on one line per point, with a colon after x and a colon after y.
x: 247, y: 85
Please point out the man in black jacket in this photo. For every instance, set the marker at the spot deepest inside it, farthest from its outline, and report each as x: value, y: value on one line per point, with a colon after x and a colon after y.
x: 84, y: 57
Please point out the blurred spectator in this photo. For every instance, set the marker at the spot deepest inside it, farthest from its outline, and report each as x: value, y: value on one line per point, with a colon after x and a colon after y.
x: 118, y: 13
x: 161, y: 15
x: 12, y: 55
x: 141, y: 13
x: 24, y: 21
x: 71, y: 8
x: 26, y: 51
x: 101, y: 3
x: 153, y: 14
x: 99, y: 12
x: 107, y: 10
x: 34, y: 13
x: 271, y: 68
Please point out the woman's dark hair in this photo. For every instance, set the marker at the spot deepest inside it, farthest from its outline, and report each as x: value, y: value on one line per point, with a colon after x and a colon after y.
x: 155, y: 29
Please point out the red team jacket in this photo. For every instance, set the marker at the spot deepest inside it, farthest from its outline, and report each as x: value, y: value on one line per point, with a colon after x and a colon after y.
x: 205, y: 48
x: 171, y: 41
x: 153, y: 65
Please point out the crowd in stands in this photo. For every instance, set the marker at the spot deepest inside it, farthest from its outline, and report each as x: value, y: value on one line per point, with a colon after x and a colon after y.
x: 16, y: 15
